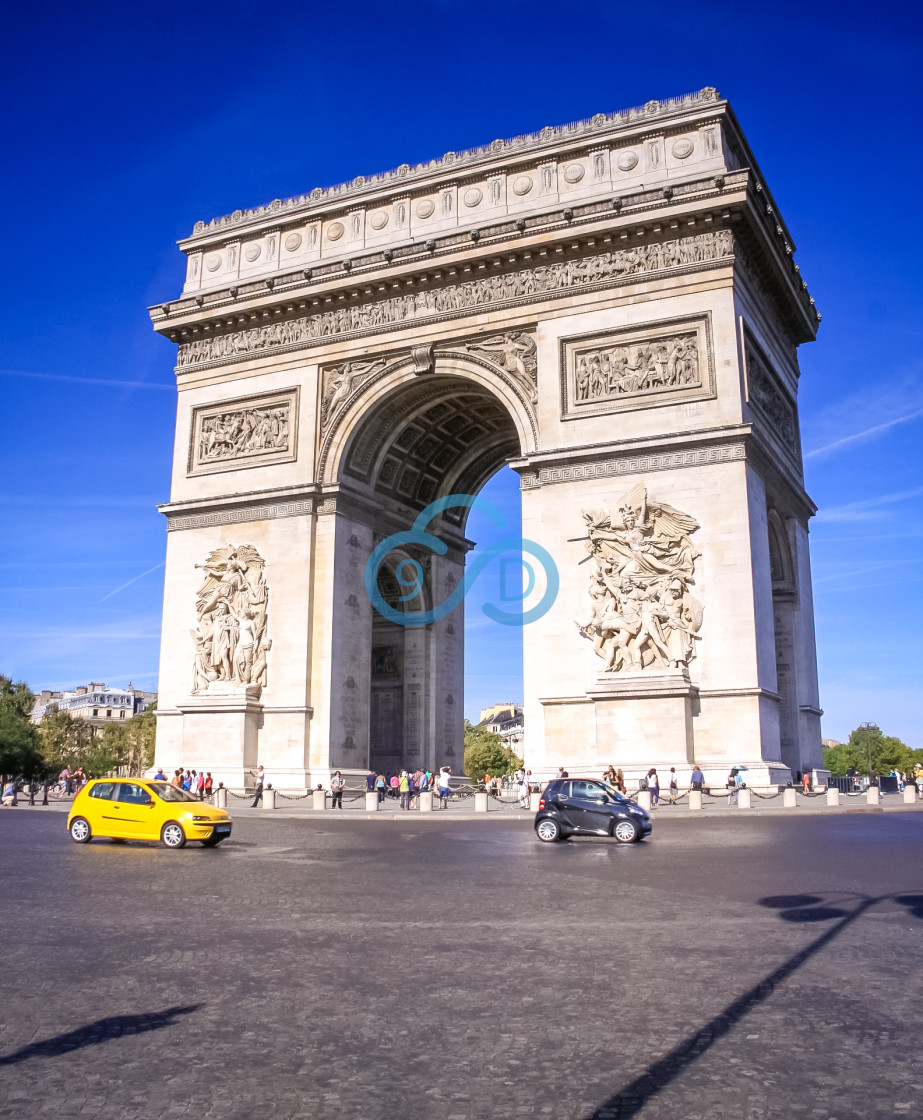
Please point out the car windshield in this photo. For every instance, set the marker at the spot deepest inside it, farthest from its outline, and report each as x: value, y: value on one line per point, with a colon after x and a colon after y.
x: 616, y: 793
x: 171, y: 793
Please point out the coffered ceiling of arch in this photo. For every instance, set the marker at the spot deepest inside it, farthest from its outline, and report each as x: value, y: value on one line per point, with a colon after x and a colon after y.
x: 429, y: 439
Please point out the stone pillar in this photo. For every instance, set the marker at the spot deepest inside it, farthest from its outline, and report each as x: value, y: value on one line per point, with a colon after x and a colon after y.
x: 743, y: 799
x: 910, y: 794
x: 644, y: 799
x: 480, y: 802
x: 319, y: 799
x: 269, y: 799
x: 426, y: 801
x: 872, y: 795
x: 695, y: 799
x: 371, y: 802
x: 833, y: 796
x: 534, y: 799
x: 790, y: 798
x: 220, y: 797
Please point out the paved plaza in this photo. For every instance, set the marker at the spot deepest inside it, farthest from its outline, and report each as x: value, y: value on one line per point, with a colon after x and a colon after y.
x: 734, y: 966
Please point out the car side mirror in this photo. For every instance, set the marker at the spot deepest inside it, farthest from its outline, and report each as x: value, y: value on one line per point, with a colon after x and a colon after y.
x: 149, y: 803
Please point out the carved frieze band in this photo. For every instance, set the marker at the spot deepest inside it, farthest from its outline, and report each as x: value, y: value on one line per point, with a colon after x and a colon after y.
x: 614, y: 371
x: 769, y: 398
x: 238, y: 515
x: 246, y: 432
x: 601, y: 270
x: 634, y: 464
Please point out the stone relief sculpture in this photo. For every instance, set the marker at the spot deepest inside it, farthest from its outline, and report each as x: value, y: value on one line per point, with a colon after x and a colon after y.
x: 551, y: 279
x: 230, y: 642
x: 243, y: 432
x: 626, y: 370
x: 642, y: 614
x: 339, y: 383
x: 515, y: 353
x: 769, y: 399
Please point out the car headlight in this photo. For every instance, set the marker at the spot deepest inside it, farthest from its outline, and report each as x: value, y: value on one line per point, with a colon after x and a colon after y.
x: 208, y: 819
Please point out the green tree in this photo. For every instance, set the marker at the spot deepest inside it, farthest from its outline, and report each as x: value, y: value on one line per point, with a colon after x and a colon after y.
x: 19, y: 742
x: 869, y: 749
x: 131, y: 743
x: 485, y: 754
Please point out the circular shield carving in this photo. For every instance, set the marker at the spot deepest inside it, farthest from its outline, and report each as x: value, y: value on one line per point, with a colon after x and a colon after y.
x: 359, y: 181
x: 473, y: 196
x: 213, y: 262
x: 316, y: 193
x: 574, y: 173
x: 683, y: 147
x: 425, y: 208
x: 627, y: 160
x: 252, y: 252
x: 522, y: 185
x: 335, y: 231
x: 378, y: 219
x: 293, y: 242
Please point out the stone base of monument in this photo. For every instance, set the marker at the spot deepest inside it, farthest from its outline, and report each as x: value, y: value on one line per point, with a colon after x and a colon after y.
x: 318, y: 799
x: 223, y: 722
x: 651, y: 708
x: 371, y: 802
x: 790, y: 798
x: 480, y: 802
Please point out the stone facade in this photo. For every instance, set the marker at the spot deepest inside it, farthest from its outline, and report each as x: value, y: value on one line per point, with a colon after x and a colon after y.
x: 613, y: 308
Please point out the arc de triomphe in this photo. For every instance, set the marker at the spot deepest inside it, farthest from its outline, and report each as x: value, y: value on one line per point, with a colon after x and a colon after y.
x: 612, y: 307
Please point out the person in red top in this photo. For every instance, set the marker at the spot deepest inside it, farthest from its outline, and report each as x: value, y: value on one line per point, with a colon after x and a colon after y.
x: 209, y: 784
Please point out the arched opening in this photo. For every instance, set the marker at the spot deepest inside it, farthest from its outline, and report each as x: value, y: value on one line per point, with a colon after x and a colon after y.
x: 784, y: 613
x: 421, y: 440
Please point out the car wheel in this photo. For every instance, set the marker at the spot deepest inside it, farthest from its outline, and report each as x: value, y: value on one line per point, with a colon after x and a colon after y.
x: 625, y: 831
x: 80, y: 831
x: 172, y: 835
x: 213, y: 842
x: 548, y: 830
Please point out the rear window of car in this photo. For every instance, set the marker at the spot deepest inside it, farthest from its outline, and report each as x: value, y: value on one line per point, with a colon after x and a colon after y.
x: 105, y: 790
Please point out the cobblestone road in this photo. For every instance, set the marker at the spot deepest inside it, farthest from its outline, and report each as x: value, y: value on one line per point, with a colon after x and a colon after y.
x: 739, y: 968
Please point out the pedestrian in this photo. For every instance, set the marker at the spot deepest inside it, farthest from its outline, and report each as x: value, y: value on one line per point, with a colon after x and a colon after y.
x: 445, y: 790
x: 381, y: 787
x: 403, y: 786
x: 337, y: 784
x: 418, y: 779
x: 806, y: 782
x: 560, y: 774
x: 160, y: 776
x: 524, y: 789
x: 370, y: 782
x: 653, y: 784
x: 487, y: 780
x: 209, y: 784
x: 200, y: 786
x: 698, y: 778
x: 9, y: 793
x: 674, y: 785
x: 394, y: 782
x: 260, y: 779
x: 732, y: 786
x: 177, y: 779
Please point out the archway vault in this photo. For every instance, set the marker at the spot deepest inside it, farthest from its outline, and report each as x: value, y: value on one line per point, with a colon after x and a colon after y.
x: 413, y: 437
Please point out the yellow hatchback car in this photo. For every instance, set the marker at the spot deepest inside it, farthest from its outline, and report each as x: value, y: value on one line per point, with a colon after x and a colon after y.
x: 138, y: 809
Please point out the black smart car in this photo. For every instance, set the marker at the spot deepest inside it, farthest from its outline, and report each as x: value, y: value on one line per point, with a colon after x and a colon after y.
x: 584, y: 807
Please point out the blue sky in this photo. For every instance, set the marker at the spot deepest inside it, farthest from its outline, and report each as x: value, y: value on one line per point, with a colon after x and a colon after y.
x: 125, y: 124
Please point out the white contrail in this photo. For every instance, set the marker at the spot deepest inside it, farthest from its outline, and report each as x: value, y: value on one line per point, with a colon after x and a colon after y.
x: 87, y: 380
x: 130, y: 582
x: 846, y: 440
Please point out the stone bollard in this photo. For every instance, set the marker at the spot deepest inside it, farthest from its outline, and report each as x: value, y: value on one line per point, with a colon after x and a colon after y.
x: 872, y: 795
x: 910, y: 794
x: 789, y: 798
x: 371, y: 802
x: 534, y: 799
x: 480, y: 802
x: 269, y: 799
x: 833, y: 796
x: 743, y: 799
x: 644, y: 799
x: 221, y: 798
x: 426, y: 801
x: 319, y: 799
x: 695, y: 799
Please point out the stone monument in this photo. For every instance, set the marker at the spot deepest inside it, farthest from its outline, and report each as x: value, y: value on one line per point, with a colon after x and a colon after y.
x: 612, y: 308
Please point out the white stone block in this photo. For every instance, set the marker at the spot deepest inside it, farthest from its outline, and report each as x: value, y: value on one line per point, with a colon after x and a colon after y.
x: 319, y: 799
x: 790, y: 798
x: 220, y: 798
x: 426, y: 801
x: 269, y: 799
x: 480, y: 802
x: 872, y: 795
x: 695, y: 799
x: 644, y: 799
x: 743, y: 799
x: 910, y: 794
x: 534, y: 799
x: 371, y: 802
x: 833, y: 796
